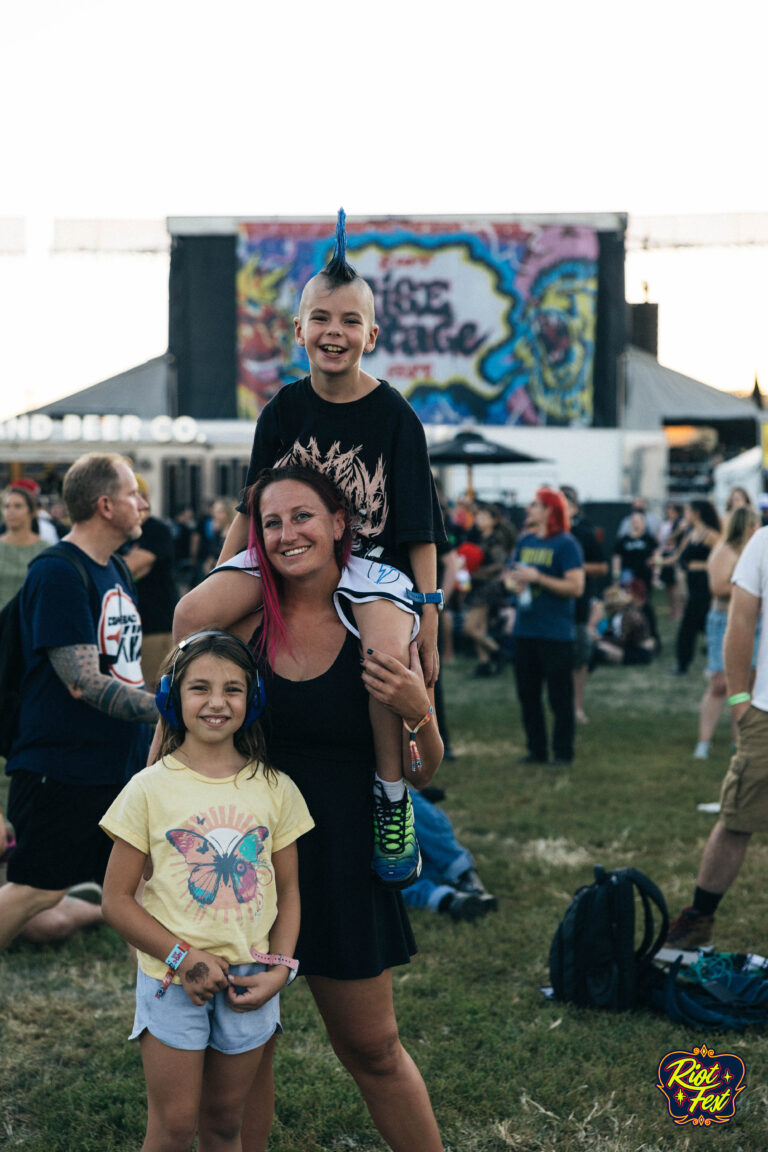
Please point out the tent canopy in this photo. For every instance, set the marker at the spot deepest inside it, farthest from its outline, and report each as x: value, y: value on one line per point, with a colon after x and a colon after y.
x: 656, y: 395
x: 143, y: 391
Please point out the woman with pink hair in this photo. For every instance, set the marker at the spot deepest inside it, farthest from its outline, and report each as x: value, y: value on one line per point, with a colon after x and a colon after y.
x: 548, y: 577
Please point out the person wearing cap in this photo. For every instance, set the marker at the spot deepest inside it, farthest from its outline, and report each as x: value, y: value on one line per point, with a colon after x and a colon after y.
x: 45, y: 526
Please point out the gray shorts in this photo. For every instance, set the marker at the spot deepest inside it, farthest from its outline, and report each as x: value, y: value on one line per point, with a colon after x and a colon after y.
x: 744, y: 794
x: 175, y: 1021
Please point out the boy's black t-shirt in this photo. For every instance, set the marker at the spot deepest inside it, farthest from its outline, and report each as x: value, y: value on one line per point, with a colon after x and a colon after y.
x: 374, y: 449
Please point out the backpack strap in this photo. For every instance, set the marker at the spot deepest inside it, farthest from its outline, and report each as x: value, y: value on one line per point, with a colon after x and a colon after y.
x: 125, y: 573
x: 649, y: 892
x: 71, y: 555
x: 61, y: 552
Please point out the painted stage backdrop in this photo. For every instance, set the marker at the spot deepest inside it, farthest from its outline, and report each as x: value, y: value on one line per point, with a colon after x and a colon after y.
x: 480, y: 320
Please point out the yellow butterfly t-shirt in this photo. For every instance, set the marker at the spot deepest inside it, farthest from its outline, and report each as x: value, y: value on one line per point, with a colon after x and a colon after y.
x: 211, y: 845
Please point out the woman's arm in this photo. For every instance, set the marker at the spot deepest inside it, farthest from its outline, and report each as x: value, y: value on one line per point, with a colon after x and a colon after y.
x: 404, y: 691
x: 219, y: 602
x: 202, y: 974
x: 720, y: 566
x: 282, y: 938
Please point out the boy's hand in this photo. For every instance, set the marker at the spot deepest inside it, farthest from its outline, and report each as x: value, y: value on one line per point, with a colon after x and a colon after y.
x: 203, y: 975
x: 426, y: 642
x: 247, y: 993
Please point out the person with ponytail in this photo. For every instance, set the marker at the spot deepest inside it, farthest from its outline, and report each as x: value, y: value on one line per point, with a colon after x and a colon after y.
x: 549, y: 563
x: 365, y: 437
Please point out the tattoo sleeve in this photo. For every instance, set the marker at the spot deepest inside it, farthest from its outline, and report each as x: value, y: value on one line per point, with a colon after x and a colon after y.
x: 77, y: 666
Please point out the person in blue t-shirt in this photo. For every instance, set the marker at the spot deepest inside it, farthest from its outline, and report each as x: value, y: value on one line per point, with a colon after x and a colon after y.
x: 548, y: 577
x: 81, y: 729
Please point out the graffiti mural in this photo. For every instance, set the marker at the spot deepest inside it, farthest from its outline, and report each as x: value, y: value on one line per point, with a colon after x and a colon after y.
x: 487, y: 321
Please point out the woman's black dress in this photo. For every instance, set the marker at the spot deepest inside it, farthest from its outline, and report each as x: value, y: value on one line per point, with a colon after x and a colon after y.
x: 318, y: 732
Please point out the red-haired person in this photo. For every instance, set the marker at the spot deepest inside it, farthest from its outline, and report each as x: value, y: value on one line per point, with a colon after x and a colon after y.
x: 548, y: 577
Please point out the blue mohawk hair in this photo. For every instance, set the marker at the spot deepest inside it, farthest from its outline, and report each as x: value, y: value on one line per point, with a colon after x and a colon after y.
x: 338, y: 270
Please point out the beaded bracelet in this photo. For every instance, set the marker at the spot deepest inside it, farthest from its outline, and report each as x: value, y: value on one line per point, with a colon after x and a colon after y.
x: 415, y: 758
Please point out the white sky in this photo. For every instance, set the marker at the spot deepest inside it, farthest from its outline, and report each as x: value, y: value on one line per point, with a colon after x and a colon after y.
x: 161, y: 108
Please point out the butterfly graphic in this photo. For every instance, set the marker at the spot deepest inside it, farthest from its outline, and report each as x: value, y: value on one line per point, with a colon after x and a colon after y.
x: 209, y: 868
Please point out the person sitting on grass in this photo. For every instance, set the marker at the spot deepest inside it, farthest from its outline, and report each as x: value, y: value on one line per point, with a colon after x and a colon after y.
x: 620, y: 627
x: 449, y: 882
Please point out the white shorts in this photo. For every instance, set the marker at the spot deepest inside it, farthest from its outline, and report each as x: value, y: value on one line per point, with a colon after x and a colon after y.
x: 361, y: 581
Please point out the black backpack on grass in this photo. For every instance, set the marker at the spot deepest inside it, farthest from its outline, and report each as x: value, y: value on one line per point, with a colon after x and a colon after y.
x: 11, y: 649
x: 594, y: 961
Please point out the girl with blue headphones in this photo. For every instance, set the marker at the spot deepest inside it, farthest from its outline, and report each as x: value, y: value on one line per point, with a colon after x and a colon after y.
x: 220, y: 827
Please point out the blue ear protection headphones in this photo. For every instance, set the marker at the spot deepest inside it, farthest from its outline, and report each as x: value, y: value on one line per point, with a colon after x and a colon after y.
x: 167, y: 698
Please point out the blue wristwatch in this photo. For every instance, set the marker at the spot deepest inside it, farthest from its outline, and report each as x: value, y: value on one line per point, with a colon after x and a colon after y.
x: 426, y: 597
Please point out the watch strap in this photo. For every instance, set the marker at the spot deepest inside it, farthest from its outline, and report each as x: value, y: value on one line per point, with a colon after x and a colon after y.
x: 426, y: 597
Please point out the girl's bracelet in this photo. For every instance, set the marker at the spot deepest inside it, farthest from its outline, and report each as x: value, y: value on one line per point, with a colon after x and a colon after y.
x: 173, y: 960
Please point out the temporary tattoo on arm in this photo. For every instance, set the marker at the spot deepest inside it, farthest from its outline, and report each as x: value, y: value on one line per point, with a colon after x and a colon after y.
x: 77, y: 666
x: 198, y: 972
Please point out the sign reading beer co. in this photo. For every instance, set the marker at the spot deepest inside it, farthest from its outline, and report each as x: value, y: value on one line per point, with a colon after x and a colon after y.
x: 109, y: 428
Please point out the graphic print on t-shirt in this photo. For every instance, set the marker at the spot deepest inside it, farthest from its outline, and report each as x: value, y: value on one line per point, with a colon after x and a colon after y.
x: 119, y: 635
x: 221, y: 866
x: 366, y: 494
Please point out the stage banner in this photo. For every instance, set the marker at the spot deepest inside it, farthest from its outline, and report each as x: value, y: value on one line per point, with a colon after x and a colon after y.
x: 480, y: 320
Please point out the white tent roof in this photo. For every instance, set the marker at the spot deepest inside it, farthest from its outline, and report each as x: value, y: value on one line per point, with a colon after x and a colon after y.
x: 655, y: 394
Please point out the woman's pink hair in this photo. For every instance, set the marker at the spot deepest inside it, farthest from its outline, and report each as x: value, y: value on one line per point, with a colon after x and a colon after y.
x: 557, y: 520
x: 273, y: 633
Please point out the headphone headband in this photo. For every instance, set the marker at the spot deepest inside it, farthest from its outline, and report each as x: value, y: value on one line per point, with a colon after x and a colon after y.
x: 165, y: 696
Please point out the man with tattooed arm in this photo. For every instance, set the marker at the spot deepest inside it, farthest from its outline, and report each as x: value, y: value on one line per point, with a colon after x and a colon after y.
x: 81, y: 730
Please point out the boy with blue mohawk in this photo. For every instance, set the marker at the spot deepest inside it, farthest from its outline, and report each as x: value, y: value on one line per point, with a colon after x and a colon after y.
x: 366, y: 437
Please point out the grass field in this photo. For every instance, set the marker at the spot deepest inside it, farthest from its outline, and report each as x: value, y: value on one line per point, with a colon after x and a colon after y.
x: 506, y: 1068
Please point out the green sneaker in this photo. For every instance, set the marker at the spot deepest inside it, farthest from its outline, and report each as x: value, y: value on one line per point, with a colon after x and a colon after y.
x: 396, y: 856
